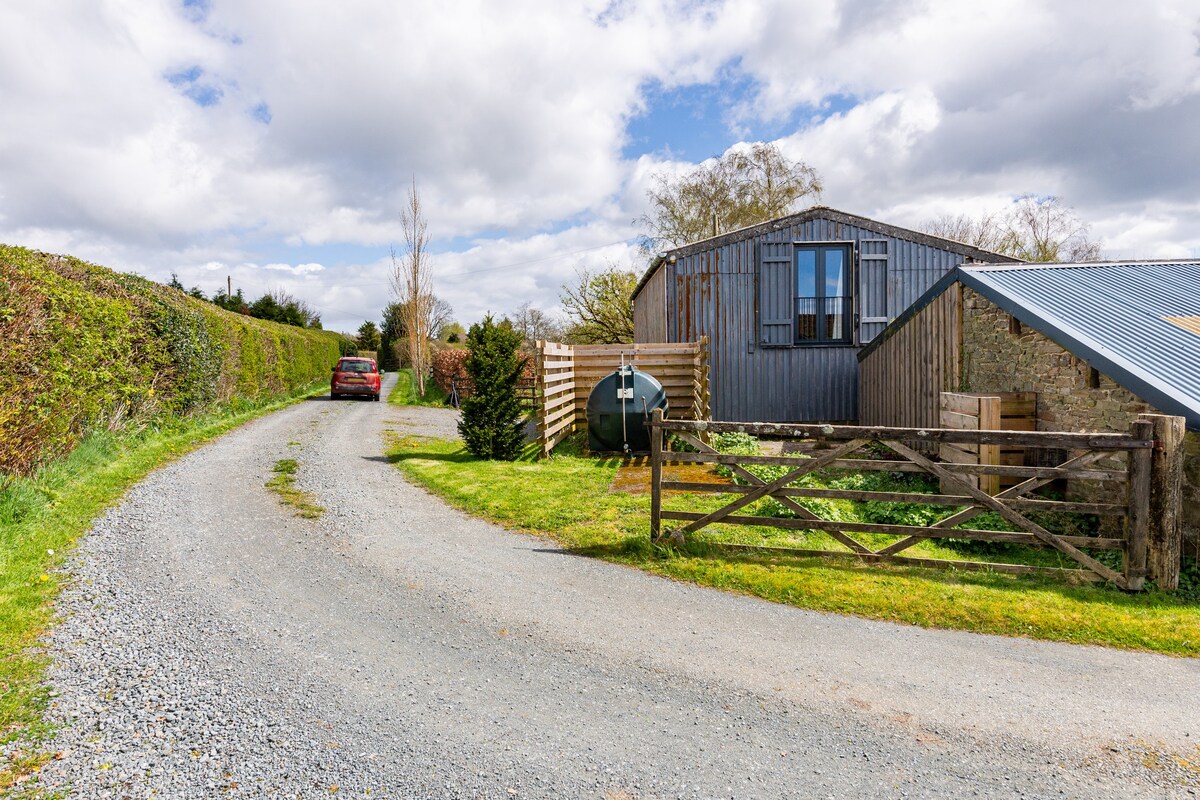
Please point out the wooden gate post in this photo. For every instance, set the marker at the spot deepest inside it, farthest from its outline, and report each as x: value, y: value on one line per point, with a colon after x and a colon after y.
x: 1166, y: 482
x: 1137, y: 537
x: 656, y: 456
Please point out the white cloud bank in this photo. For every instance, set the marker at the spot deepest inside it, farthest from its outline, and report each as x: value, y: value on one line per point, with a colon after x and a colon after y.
x: 273, y: 141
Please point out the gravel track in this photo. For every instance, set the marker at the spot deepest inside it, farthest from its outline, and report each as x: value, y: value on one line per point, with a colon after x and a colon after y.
x: 213, y: 645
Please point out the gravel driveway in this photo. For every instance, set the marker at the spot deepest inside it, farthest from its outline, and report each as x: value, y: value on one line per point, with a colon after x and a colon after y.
x: 214, y: 645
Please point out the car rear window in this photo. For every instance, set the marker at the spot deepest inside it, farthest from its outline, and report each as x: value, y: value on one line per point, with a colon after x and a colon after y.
x: 354, y: 366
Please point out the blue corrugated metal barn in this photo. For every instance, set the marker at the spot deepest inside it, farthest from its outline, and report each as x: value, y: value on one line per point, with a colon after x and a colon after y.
x: 787, y: 304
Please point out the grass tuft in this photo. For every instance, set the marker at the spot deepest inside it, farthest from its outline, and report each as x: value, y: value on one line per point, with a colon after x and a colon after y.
x: 284, y: 485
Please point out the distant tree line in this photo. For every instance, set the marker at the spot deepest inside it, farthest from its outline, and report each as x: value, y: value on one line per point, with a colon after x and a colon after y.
x: 276, y: 305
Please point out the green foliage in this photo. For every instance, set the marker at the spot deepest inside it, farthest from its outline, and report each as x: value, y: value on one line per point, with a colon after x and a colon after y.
x: 491, y: 424
x: 599, y: 306
x: 368, y: 336
x: 85, y: 349
x: 391, y: 333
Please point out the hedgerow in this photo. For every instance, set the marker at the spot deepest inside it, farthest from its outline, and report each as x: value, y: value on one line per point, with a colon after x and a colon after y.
x: 85, y: 348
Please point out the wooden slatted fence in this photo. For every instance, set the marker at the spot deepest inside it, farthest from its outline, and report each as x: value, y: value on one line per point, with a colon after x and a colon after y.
x: 999, y: 411
x: 567, y: 373
x: 1147, y: 484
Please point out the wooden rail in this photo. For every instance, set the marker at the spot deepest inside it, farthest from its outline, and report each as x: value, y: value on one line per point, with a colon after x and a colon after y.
x: 1143, y: 536
x: 567, y: 373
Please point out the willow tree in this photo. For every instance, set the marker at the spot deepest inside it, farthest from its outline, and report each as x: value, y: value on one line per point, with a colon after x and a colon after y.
x: 745, y: 186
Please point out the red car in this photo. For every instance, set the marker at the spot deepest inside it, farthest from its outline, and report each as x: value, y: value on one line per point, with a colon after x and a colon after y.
x: 355, y: 376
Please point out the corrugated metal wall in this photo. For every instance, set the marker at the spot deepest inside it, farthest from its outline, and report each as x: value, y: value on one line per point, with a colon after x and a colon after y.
x: 715, y: 293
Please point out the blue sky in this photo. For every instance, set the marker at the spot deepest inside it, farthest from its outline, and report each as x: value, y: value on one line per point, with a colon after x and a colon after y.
x: 275, y: 141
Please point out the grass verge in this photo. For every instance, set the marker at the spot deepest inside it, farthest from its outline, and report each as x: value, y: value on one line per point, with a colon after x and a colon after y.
x: 567, y: 498
x: 41, y: 518
x: 284, y: 485
x: 404, y: 393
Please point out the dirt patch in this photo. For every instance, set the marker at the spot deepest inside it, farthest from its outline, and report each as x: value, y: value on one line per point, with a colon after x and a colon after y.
x: 633, y: 477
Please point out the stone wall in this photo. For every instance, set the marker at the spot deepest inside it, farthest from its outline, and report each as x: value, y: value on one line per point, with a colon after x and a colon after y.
x: 1001, y: 356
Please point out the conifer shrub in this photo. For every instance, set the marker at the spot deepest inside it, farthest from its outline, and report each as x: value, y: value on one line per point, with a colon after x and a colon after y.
x: 491, y: 417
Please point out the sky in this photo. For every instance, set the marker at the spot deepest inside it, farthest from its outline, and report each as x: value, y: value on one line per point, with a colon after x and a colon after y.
x: 275, y: 141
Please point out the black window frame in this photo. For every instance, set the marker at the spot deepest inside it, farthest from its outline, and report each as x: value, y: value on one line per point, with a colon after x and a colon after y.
x: 849, y: 277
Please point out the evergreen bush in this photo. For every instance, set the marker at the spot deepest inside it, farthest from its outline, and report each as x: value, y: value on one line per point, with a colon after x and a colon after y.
x: 491, y: 416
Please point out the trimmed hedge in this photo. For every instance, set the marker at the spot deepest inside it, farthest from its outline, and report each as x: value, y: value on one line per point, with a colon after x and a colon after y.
x: 83, y: 348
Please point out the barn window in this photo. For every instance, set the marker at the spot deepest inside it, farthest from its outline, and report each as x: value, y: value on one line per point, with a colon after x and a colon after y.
x: 823, y: 306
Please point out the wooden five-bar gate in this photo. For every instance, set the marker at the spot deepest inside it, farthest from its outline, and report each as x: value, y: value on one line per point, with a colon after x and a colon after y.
x: 1145, y: 461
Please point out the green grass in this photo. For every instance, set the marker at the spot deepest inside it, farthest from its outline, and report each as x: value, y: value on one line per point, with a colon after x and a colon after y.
x: 404, y: 393
x: 566, y: 497
x: 41, y: 519
x: 284, y: 485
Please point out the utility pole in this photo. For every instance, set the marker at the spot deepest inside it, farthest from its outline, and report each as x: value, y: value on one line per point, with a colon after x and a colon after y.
x: 228, y: 286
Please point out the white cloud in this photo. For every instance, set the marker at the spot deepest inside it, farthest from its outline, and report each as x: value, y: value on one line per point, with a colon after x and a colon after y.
x: 512, y: 116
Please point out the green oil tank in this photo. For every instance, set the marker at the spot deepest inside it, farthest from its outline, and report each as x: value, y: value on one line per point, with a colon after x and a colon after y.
x: 618, y: 408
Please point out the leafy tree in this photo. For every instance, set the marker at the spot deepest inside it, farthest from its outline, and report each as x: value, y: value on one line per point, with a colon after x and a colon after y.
x: 279, y: 306
x: 742, y: 187
x: 197, y: 293
x: 599, y: 306
x: 368, y: 336
x: 452, y: 333
x: 391, y: 335
x: 174, y: 282
x: 1036, y: 229
x: 235, y: 303
x: 491, y: 416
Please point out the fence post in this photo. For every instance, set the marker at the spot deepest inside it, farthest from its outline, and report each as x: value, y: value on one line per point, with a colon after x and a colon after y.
x: 1166, y: 482
x: 1138, y: 535
x: 656, y: 455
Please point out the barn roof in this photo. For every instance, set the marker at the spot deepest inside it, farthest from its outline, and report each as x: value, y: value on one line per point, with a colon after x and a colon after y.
x: 815, y: 212
x: 1137, y: 322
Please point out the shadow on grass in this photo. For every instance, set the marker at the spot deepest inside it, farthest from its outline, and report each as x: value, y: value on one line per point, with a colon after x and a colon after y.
x: 639, y: 550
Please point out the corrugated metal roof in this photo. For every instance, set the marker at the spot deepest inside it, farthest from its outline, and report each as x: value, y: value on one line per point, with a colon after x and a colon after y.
x: 1111, y: 314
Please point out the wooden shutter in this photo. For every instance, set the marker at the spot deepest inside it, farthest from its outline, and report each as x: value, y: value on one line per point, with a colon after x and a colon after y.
x: 872, y: 288
x: 776, y: 294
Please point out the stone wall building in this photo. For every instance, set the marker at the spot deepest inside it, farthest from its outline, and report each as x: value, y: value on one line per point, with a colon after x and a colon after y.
x: 1099, y: 344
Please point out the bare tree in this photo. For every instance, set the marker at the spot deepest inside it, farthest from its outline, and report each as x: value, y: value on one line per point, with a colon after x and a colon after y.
x: 411, y: 283
x: 1043, y: 229
x: 534, y: 324
x: 740, y: 188
x: 599, y: 306
x: 1036, y: 229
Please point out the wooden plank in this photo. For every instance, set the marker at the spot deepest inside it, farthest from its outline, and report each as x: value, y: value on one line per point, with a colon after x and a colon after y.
x: 1009, y: 515
x: 656, y: 458
x: 989, y: 420
x: 959, y: 422
x: 934, y: 563
x: 958, y: 403
x: 832, y: 526
x: 1140, y: 465
x: 869, y: 465
x: 1068, y: 506
x: 1079, y: 441
x: 1166, y: 483
x: 959, y: 454
x: 766, y: 488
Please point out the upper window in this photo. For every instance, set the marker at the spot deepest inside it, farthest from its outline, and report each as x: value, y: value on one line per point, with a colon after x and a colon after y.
x: 823, y: 294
